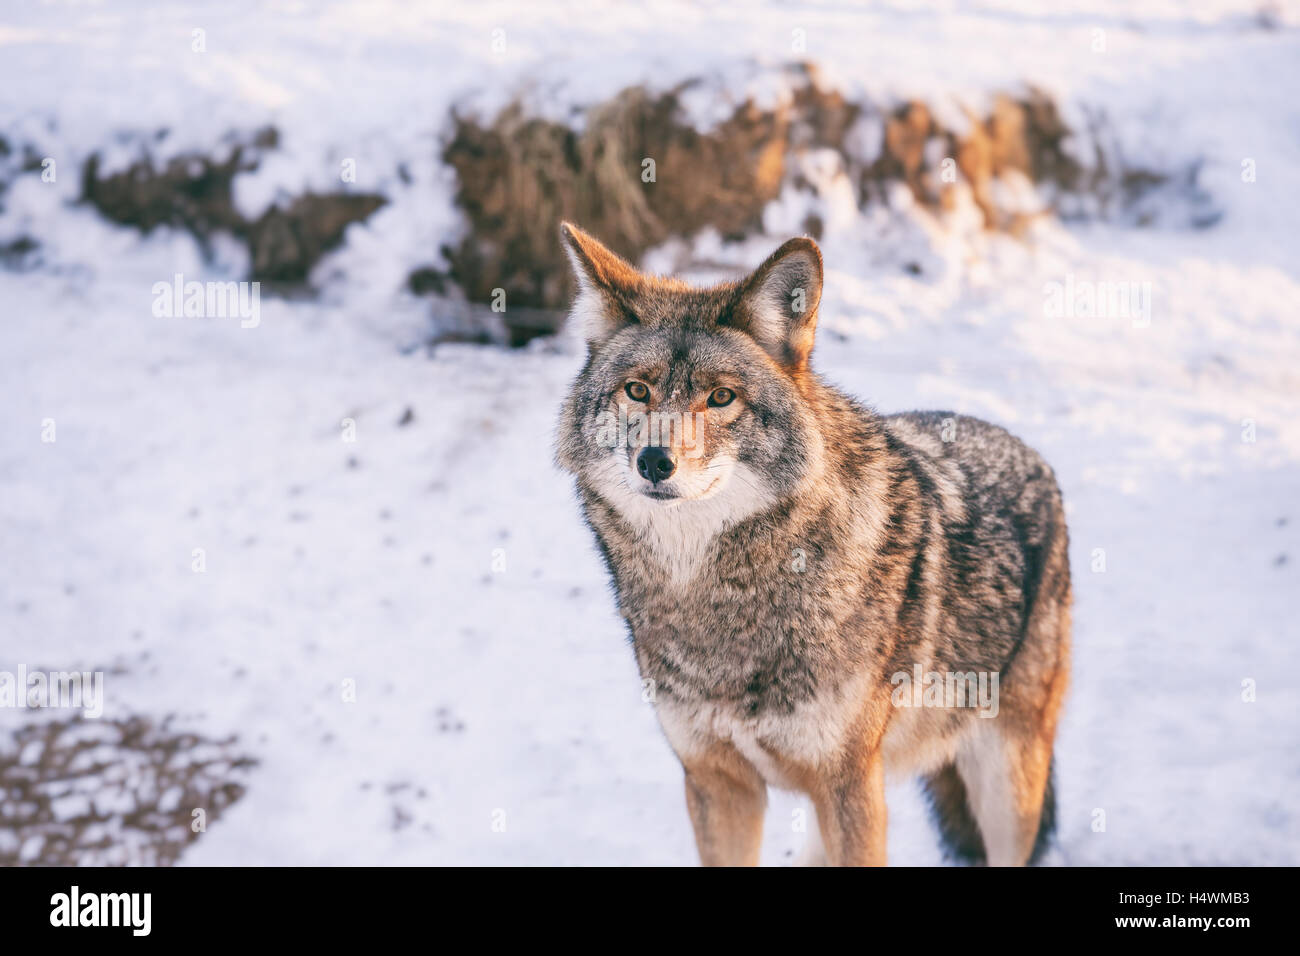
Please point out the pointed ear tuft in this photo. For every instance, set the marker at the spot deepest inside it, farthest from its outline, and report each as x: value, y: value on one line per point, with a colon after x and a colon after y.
x: 778, y: 303
x: 606, y: 283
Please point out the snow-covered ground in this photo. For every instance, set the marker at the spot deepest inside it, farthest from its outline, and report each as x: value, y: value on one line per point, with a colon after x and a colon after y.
x: 437, y: 565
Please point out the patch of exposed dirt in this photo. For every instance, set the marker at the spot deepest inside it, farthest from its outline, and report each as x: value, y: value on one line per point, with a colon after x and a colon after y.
x: 111, y: 792
x: 286, y: 243
x: 1024, y: 136
x: 16, y: 161
x: 194, y: 192
x: 19, y: 254
x: 189, y: 192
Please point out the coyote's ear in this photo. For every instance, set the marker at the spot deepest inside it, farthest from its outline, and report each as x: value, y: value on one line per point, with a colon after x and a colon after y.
x: 778, y: 303
x: 606, y: 282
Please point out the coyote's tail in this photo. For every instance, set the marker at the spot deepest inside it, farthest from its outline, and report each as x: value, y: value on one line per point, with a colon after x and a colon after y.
x: 958, y: 830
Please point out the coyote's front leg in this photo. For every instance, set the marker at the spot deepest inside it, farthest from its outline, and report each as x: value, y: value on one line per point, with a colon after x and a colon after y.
x: 726, y: 797
x: 850, y: 803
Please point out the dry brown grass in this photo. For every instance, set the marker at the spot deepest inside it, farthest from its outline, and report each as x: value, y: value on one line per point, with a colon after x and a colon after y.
x: 519, y: 176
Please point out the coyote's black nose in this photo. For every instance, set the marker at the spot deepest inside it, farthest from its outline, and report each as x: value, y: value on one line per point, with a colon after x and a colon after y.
x: 655, y: 464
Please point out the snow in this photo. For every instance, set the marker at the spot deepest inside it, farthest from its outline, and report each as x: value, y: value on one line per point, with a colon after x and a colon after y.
x: 439, y: 568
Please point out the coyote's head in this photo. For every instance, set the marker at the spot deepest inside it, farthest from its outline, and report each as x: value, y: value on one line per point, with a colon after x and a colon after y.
x: 692, y: 401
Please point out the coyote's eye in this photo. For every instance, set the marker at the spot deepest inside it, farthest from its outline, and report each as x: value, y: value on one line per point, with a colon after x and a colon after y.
x: 720, y: 397
x: 637, y: 391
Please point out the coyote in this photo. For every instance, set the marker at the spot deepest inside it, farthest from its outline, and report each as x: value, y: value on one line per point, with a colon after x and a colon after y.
x: 791, y: 561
